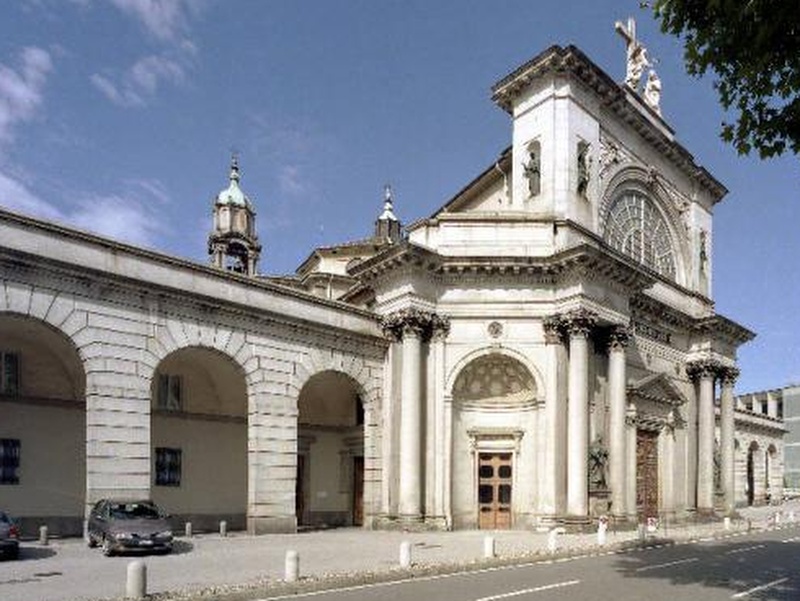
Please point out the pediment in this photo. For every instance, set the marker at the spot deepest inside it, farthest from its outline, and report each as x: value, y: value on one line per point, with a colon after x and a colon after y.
x: 658, y: 388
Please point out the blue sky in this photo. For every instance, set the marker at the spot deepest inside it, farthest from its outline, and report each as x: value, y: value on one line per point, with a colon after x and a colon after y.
x: 119, y: 116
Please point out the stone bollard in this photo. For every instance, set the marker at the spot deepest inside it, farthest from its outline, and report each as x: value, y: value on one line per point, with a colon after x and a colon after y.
x: 43, y: 535
x: 136, y: 585
x: 552, y: 539
x: 488, y: 547
x: 187, y: 530
x: 642, y: 533
x: 223, y: 528
x: 726, y: 523
x: 778, y: 518
x: 291, y: 569
x: 405, y: 554
x: 602, y: 530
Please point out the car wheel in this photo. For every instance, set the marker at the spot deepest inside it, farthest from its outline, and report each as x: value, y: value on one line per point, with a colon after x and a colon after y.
x: 14, y: 553
x: 107, y: 550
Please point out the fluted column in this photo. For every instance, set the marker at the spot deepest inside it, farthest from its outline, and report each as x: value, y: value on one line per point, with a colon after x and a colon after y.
x: 553, y: 483
x: 579, y: 324
x: 704, y: 372
x: 618, y: 340
x: 726, y: 426
x: 630, y: 484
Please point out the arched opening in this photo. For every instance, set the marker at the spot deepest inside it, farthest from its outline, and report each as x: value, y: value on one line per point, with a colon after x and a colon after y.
x: 199, y: 438
x: 43, y: 426
x: 773, y: 492
x: 330, y: 454
x: 494, y: 463
x: 752, y: 453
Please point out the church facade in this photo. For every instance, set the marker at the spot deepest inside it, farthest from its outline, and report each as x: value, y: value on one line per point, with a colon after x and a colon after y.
x: 542, y: 349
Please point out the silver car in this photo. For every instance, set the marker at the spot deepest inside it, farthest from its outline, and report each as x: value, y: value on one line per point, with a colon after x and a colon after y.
x: 9, y: 537
x: 120, y: 525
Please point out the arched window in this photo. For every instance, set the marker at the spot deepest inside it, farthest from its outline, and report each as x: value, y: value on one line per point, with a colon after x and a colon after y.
x: 635, y: 227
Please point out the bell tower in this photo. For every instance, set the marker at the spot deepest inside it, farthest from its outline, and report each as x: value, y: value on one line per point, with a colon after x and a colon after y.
x: 233, y: 243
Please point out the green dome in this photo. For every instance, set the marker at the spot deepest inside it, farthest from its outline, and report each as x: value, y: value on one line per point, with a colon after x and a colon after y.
x: 233, y: 195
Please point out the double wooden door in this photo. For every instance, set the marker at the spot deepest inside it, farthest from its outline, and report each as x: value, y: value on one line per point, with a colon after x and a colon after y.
x: 494, y: 491
x: 647, y: 473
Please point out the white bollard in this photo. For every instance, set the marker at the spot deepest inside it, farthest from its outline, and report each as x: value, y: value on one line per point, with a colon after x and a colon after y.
x: 552, y: 539
x: 778, y: 518
x: 43, y: 535
x: 223, y: 528
x: 602, y: 529
x: 488, y: 547
x: 136, y: 585
x: 187, y: 529
x: 642, y: 533
x: 291, y: 570
x: 405, y: 554
x: 727, y: 523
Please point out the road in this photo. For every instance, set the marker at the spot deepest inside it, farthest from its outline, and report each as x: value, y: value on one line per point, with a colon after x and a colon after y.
x: 762, y: 566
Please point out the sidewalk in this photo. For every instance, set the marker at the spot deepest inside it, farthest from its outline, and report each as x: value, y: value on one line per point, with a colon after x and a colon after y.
x: 66, y: 570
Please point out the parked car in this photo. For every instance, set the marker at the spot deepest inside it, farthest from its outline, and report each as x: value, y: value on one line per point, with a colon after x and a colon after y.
x: 121, y: 525
x: 9, y: 537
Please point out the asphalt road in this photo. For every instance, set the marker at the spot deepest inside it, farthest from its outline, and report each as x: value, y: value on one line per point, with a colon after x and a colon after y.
x: 762, y: 566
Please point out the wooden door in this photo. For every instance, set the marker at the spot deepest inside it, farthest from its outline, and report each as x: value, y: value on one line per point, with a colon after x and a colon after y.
x: 494, y: 491
x: 647, y: 473
x: 358, y: 491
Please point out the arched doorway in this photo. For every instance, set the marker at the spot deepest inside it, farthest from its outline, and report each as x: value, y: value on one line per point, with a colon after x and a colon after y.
x: 494, y: 465
x: 772, y: 481
x: 43, y: 426
x: 330, y: 455
x: 752, y: 453
x: 199, y: 438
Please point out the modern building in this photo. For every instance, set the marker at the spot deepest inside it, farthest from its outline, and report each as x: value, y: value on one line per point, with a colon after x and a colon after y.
x: 541, y: 349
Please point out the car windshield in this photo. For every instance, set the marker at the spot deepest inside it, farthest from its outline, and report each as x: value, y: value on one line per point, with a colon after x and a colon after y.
x: 134, y: 511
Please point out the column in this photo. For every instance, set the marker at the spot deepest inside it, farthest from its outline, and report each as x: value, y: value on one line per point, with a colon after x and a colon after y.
x: 772, y: 404
x: 410, y: 499
x: 704, y: 372
x: 553, y: 482
x: 437, y: 437
x: 618, y: 458
x: 668, y: 465
x: 691, y: 444
x: 726, y: 427
x: 579, y: 325
x: 630, y: 488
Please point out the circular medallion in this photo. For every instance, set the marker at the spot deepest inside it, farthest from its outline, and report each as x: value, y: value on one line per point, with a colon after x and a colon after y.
x: 495, y: 329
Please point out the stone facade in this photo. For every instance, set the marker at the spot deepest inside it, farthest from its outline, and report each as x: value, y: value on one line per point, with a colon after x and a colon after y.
x: 542, y: 349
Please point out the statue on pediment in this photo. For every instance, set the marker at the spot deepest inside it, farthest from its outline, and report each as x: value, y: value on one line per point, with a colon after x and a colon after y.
x: 652, y: 92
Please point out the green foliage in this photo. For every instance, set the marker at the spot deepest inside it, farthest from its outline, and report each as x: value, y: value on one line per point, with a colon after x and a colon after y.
x: 753, y: 47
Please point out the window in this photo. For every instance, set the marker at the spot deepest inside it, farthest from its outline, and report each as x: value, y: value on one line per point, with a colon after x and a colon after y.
x: 170, y: 389
x: 9, y: 460
x: 635, y: 227
x: 9, y: 373
x: 168, y: 467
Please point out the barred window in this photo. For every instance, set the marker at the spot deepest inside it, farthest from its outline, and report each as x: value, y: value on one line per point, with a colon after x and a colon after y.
x: 9, y: 460
x: 170, y: 393
x: 168, y: 466
x: 9, y: 373
x: 635, y: 227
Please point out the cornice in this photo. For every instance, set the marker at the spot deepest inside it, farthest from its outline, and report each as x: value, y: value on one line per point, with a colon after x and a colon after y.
x: 618, y: 100
x: 721, y: 328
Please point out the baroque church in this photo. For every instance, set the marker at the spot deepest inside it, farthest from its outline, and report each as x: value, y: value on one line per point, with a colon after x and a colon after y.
x: 542, y: 349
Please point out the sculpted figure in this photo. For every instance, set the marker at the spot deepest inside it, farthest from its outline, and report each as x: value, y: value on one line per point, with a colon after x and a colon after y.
x: 584, y: 166
x: 598, y: 464
x: 652, y: 91
x: 533, y: 172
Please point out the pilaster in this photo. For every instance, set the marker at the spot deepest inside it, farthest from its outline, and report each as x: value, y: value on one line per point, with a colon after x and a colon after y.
x: 617, y: 342
x: 728, y: 378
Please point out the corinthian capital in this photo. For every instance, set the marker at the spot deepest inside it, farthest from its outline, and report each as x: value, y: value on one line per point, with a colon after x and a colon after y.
x: 618, y: 338
x: 703, y: 368
x: 414, y: 322
x: 580, y: 321
x: 729, y: 375
x: 553, y: 326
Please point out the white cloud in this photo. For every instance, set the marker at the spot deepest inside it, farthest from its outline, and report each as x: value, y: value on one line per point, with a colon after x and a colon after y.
x: 138, y: 85
x: 291, y: 181
x: 166, y: 20
x: 129, y: 218
x: 21, y: 89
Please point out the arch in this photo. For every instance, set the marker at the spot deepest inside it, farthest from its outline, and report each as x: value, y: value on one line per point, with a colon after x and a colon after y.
x: 638, y: 180
x: 318, y: 361
x: 199, y: 436
x: 43, y: 401
x: 508, y: 352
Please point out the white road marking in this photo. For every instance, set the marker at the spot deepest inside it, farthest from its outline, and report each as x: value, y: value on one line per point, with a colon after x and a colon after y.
x: 744, y: 550
x: 791, y: 540
x: 665, y: 565
x: 759, y: 588
x: 546, y: 587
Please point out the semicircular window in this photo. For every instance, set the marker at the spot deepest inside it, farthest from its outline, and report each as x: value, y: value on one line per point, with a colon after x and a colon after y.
x: 635, y: 227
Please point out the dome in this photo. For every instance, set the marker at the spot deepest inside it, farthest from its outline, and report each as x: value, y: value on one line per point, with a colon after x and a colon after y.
x: 233, y: 195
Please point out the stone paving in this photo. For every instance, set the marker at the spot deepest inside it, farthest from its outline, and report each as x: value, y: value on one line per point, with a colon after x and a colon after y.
x: 65, y: 570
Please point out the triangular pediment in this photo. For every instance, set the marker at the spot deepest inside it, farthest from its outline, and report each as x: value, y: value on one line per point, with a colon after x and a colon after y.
x: 658, y: 388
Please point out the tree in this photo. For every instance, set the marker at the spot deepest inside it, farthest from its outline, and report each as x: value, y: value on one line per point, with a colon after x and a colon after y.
x: 753, y: 47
